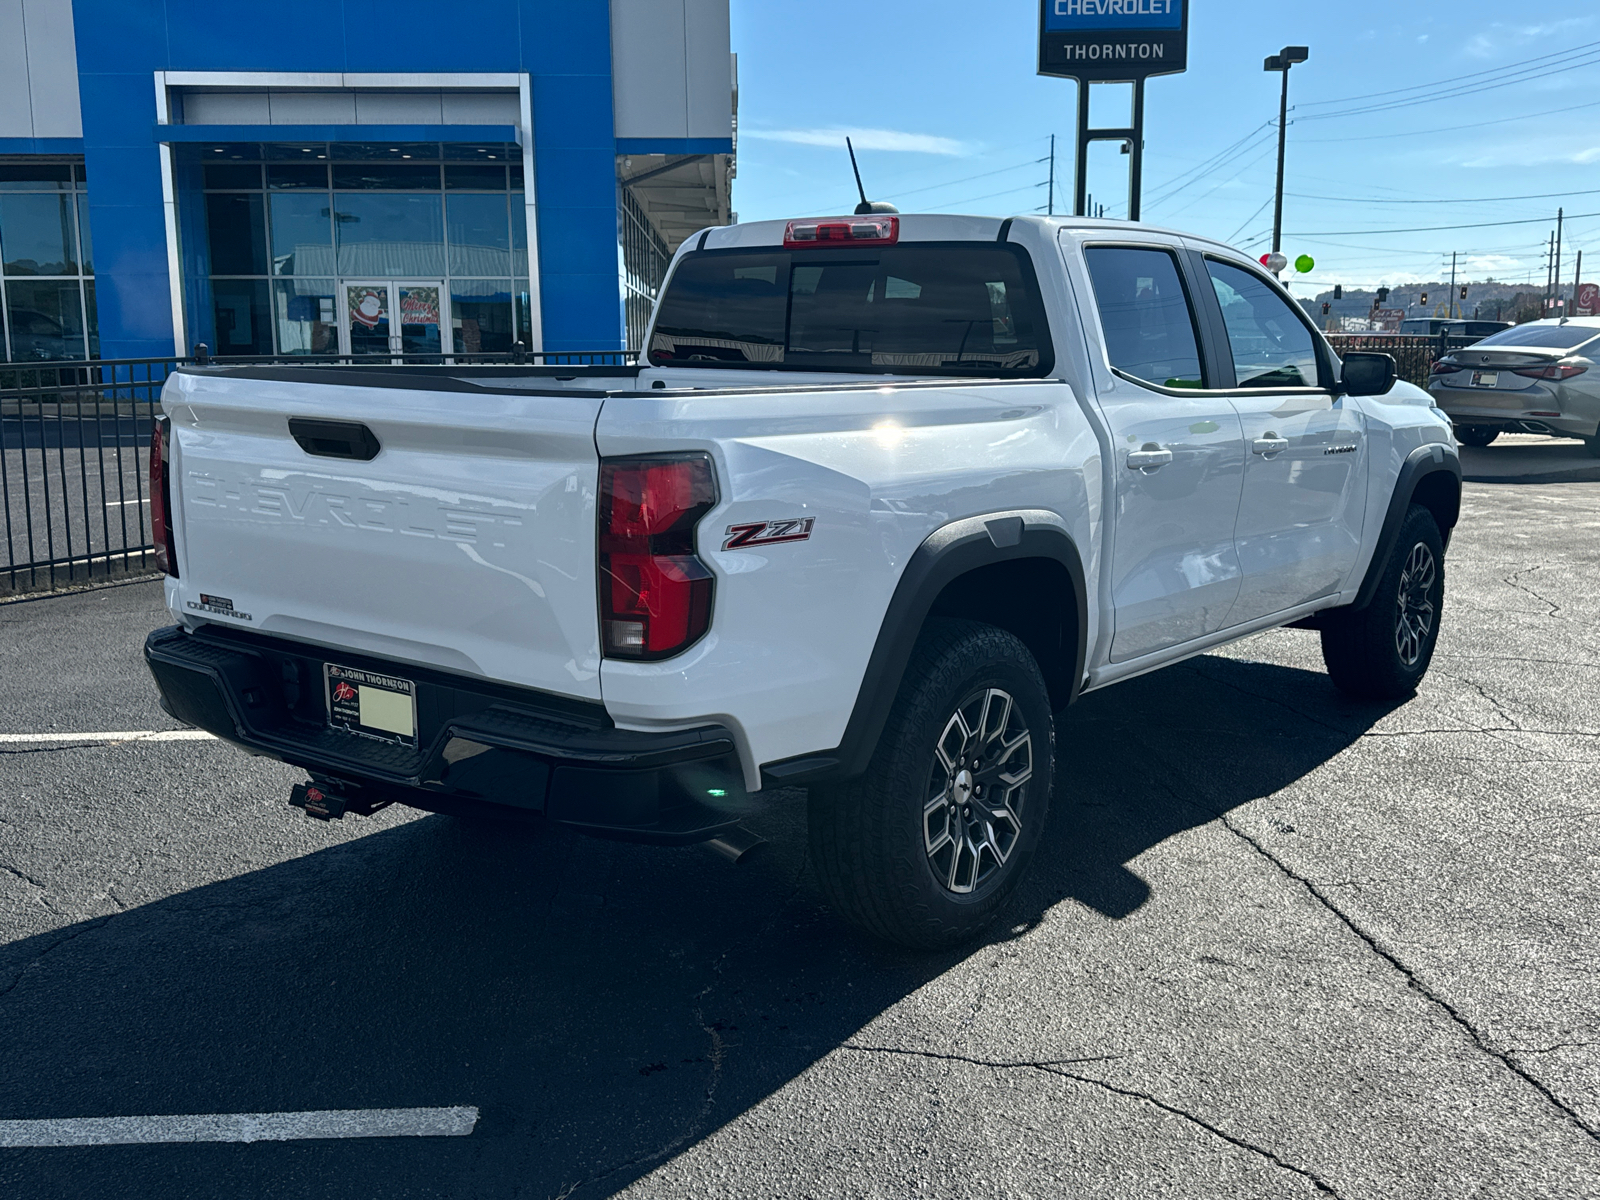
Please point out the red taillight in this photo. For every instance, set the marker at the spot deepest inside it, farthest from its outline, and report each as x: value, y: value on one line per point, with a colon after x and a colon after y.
x: 1443, y: 367
x: 161, y: 499
x: 841, y: 231
x: 1555, y: 371
x: 655, y: 595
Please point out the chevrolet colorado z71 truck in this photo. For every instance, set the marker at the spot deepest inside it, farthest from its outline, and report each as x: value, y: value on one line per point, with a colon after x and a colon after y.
x: 885, y: 494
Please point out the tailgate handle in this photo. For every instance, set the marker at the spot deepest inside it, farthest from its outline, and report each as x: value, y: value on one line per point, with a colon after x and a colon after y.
x: 335, y: 439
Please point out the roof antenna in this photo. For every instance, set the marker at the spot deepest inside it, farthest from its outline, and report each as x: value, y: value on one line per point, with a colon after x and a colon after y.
x: 866, y: 206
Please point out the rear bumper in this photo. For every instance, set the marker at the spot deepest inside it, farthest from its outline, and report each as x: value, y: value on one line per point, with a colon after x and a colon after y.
x: 1513, y: 410
x: 480, y: 747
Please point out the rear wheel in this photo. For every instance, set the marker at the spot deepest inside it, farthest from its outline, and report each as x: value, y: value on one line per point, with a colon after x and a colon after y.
x: 1476, y: 435
x: 1592, y: 444
x: 1382, y: 651
x: 925, y: 848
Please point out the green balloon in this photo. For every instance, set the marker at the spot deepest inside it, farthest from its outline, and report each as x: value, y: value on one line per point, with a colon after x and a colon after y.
x: 1305, y: 264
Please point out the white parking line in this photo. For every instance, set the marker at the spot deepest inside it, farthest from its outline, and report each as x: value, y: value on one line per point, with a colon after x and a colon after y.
x: 121, y: 503
x: 136, y: 735
x: 242, y: 1127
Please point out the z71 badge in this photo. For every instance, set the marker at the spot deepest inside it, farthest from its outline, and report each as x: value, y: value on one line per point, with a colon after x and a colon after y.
x: 768, y: 533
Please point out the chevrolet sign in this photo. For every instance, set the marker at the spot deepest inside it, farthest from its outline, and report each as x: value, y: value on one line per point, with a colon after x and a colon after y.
x: 1113, y: 41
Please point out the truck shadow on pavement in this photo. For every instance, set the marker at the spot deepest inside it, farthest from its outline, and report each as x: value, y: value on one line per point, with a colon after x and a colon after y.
x: 605, y: 1006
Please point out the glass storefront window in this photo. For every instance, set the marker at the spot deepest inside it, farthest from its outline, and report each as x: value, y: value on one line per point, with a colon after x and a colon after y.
x: 480, y: 316
x: 307, y: 320
x: 36, y: 177
x: 44, y: 252
x: 93, y: 318
x: 85, y: 246
x: 297, y: 175
x: 37, y: 235
x: 243, y: 318
x: 302, y: 234
x: 387, y: 176
x: 389, y: 236
x: 46, y: 319
x: 310, y: 221
x: 236, y: 225
x: 519, y: 235
x: 480, y: 234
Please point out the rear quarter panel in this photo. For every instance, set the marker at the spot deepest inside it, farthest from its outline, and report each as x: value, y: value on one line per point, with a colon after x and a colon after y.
x: 879, y: 469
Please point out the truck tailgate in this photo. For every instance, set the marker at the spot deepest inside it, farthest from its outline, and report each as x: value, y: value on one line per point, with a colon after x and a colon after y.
x: 467, y: 543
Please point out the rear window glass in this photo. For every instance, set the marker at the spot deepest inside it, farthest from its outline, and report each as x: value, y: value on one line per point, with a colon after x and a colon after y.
x: 1555, y: 337
x: 930, y: 308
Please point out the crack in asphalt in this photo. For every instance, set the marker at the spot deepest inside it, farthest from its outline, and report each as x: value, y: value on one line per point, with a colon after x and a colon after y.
x: 1511, y: 581
x: 717, y: 1055
x: 78, y: 932
x: 22, y: 875
x: 1055, y: 1067
x: 1550, y: 1049
x: 1411, y: 976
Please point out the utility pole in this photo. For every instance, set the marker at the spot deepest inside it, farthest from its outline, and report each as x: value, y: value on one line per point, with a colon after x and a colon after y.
x: 1577, y: 282
x: 1051, y: 204
x: 1559, y: 214
x: 1549, y: 264
x: 1282, y: 61
x: 1452, y: 285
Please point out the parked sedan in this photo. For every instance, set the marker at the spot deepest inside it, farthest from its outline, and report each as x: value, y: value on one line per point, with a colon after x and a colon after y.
x: 1542, y: 377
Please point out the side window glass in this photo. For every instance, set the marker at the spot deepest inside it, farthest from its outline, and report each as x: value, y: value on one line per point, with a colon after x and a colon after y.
x: 1145, y: 315
x: 1271, y: 346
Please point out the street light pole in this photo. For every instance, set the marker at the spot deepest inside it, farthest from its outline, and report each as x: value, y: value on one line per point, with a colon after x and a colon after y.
x: 1282, y: 61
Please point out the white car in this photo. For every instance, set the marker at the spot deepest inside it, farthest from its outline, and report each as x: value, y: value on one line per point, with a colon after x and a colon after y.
x: 887, y: 494
x: 1542, y: 377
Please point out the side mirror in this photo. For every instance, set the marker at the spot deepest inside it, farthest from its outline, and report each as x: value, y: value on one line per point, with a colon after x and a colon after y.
x: 1366, y: 373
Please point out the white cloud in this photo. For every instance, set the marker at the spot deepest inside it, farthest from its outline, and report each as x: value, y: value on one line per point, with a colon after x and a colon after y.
x: 863, y: 139
x: 1500, y: 36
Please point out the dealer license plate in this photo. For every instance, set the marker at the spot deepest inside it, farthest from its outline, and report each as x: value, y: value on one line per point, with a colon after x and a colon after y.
x: 1485, y: 378
x: 370, y: 704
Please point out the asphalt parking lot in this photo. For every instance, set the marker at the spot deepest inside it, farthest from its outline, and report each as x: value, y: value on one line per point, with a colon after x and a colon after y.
x: 1277, y: 943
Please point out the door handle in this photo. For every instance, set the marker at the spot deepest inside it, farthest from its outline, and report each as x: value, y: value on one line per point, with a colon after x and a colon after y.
x: 1270, y: 443
x: 1148, y: 457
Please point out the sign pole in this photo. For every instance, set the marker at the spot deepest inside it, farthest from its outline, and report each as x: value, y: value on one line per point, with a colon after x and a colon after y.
x: 1080, y: 183
x: 1082, y: 40
x: 1136, y: 152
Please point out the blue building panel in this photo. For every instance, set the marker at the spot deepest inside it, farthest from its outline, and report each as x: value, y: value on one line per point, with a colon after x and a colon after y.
x: 565, y: 46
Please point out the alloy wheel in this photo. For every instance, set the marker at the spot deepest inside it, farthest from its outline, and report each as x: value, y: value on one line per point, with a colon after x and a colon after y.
x: 977, y: 785
x: 1415, y: 612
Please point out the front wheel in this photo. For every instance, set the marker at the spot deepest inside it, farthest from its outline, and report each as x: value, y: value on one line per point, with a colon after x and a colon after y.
x: 1592, y: 445
x: 927, y: 845
x: 1381, y: 652
x: 1476, y: 435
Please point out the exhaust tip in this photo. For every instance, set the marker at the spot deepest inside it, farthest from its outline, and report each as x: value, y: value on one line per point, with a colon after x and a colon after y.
x: 736, y: 844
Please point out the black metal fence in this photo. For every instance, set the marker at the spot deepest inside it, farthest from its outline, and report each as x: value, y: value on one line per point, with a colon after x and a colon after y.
x: 1414, y: 354
x: 74, y: 445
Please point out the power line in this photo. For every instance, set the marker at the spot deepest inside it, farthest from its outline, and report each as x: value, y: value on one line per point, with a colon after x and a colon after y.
x: 1452, y: 93
x: 1431, y: 228
x: 1521, y: 64
x: 1461, y: 200
x: 1375, y: 137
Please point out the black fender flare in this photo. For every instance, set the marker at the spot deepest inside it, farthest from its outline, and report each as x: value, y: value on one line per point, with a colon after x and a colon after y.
x: 1431, y: 459
x: 948, y: 553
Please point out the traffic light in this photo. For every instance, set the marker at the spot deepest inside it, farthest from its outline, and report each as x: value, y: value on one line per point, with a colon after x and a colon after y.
x: 1463, y: 291
x: 1338, y: 291
x: 1326, y: 308
x: 1423, y: 300
x: 1383, y: 295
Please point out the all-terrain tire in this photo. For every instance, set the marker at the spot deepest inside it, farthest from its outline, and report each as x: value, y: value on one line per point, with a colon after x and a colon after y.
x: 1382, y: 651
x: 925, y: 848
x: 1476, y: 435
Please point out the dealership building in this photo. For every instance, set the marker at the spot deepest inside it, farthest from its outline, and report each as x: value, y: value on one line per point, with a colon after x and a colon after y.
x: 318, y: 177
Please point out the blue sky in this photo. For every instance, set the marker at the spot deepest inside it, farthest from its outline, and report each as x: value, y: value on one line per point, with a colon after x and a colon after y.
x: 949, y: 115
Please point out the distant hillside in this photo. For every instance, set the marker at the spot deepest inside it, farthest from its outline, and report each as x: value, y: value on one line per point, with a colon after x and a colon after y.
x: 1489, y: 300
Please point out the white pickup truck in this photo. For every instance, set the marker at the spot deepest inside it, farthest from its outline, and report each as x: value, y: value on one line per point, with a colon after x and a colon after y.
x: 886, y: 494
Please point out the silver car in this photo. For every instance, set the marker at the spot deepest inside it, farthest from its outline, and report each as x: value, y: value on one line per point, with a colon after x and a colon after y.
x: 1541, y: 377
